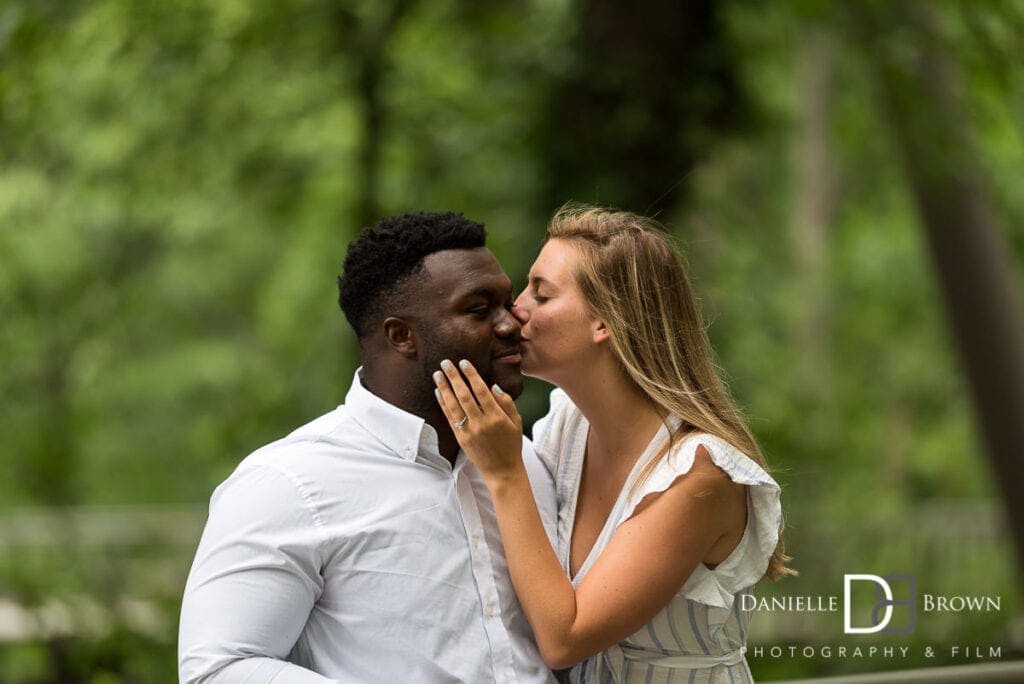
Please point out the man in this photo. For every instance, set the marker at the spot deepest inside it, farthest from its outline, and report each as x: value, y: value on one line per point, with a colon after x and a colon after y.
x: 363, y: 547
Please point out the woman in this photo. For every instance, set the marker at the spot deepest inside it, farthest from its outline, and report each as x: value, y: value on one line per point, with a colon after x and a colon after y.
x: 666, y: 513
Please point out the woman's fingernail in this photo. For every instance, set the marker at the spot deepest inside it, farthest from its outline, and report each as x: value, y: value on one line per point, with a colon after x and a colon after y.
x: 438, y: 377
x: 437, y: 393
x: 446, y: 364
x: 464, y: 364
x: 497, y: 390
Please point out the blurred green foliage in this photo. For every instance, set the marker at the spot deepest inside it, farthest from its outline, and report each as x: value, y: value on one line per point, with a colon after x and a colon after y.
x: 179, y: 180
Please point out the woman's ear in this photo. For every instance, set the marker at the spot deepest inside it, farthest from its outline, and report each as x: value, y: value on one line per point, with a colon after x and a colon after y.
x: 601, y: 333
x: 400, y: 336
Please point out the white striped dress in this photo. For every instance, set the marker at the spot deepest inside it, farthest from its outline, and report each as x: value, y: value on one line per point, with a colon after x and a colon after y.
x: 700, y: 636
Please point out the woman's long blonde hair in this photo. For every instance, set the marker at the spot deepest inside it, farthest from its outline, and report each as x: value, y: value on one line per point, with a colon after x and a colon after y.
x: 633, y: 279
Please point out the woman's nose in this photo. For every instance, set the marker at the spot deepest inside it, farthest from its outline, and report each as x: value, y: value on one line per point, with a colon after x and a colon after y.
x: 520, y: 308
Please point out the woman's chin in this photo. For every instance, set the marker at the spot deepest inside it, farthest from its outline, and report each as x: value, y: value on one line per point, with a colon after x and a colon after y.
x: 531, y: 370
x: 526, y: 368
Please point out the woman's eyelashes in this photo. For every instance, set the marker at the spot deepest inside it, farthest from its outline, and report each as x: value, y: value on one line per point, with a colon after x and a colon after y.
x: 532, y: 292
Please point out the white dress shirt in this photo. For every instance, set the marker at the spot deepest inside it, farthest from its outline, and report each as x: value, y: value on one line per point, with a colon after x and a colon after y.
x: 352, y: 551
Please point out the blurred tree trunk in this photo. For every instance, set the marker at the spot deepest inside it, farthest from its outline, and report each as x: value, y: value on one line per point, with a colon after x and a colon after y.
x: 366, y: 41
x: 814, y: 206
x: 920, y: 88
x: 650, y: 84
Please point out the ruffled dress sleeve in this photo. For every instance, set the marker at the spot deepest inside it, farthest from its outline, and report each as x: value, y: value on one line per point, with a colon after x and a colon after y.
x: 746, y: 565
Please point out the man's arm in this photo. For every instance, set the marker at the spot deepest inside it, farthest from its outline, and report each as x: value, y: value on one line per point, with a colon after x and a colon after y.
x: 253, y: 584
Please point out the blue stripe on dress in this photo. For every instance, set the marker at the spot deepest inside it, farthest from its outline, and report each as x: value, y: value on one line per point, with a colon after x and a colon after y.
x: 696, y: 629
x: 569, y: 457
x: 679, y: 645
x: 654, y: 635
x: 739, y: 618
x: 565, y: 454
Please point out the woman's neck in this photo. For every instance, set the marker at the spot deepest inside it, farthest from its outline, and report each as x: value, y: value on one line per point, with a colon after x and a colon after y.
x: 622, y: 418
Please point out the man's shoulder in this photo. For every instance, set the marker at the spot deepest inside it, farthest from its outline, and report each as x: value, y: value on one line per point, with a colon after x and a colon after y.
x: 304, y: 447
x: 333, y: 422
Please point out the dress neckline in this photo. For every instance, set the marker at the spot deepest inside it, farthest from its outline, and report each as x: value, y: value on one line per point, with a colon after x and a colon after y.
x: 611, y: 522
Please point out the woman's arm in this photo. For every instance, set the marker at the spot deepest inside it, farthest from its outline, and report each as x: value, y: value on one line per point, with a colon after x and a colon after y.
x: 646, y: 562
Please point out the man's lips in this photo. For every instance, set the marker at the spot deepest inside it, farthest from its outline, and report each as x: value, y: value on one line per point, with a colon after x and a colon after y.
x: 511, y: 356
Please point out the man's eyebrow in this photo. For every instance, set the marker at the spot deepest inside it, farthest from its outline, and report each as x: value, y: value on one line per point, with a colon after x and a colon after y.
x: 483, y: 292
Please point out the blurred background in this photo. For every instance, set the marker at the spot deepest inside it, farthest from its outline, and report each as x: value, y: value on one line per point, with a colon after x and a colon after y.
x: 179, y: 181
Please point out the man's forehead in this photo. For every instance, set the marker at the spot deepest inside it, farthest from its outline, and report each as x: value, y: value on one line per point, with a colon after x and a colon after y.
x: 463, y: 270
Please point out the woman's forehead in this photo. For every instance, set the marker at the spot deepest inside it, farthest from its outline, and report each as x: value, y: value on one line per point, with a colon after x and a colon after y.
x: 556, y: 262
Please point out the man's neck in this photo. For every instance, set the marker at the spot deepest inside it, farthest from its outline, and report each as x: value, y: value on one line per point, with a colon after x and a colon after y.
x: 413, y: 396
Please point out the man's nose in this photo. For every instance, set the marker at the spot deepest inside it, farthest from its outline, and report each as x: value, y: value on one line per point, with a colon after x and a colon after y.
x: 507, y: 325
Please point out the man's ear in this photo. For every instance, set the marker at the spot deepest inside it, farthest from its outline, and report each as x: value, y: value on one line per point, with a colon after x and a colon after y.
x: 400, y: 336
x: 601, y: 333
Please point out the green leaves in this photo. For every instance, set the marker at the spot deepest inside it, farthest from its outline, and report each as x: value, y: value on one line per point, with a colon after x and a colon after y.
x: 179, y: 181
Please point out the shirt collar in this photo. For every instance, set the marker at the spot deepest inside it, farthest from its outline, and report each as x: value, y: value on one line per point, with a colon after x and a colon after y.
x: 399, y: 431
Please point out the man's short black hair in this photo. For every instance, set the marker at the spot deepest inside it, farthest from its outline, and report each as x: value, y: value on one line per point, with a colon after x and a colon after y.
x: 384, y: 255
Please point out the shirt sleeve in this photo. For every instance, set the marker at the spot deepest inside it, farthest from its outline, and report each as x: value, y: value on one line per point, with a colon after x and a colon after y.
x: 253, y: 583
